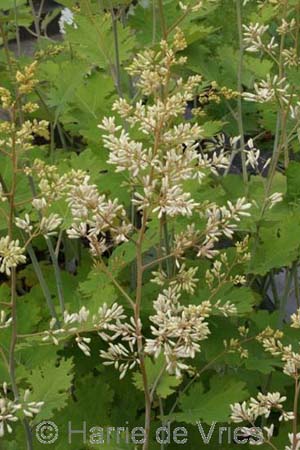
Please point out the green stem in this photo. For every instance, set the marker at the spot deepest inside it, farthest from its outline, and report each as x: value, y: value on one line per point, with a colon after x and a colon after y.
x: 162, y: 19
x: 240, y: 90
x: 117, y: 53
x: 57, y: 272
x: 42, y: 282
x: 284, y: 299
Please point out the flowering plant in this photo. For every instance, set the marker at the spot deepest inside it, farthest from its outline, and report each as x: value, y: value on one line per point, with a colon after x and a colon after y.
x: 146, y: 225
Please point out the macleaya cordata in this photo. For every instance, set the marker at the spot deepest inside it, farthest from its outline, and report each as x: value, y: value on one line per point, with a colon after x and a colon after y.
x: 158, y: 153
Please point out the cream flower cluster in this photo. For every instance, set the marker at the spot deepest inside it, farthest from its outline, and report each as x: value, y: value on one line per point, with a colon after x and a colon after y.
x: 159, y: 164
x: 271, y: 341
x: 253, y: 34
x: 177, y: 330
x: 270, y: 90
x: 264, y: 404
x: 94, y: 215
x: 11, y: 254
x: 10, y: 408
x: 260, y: 406
x: 110, y: 324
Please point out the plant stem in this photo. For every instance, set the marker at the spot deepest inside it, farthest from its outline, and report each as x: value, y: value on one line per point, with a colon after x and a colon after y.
x: 117, y: 53
x: 162, y: 19
x: 13, y: 282
x: 153, y: 22
x: 42, y: 282
x: 118, y: 286
x: 53, y: 257
x: 57, y: 273
x: 137, y: 311
x: 284, y: 299
x: 36, y: 19
x: 167, y: 245
x: 240, y: 89
x: 17, y: 30
x: 295, y: 409
x: 296, y: 284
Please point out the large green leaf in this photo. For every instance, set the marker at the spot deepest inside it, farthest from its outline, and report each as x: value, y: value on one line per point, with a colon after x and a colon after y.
x: 212, y: 405
x: 51, y: 384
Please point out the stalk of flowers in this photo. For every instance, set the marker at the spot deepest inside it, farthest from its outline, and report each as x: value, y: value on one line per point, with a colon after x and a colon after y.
x: 281, y: 47
x: 264, y: 404
x: 157, y: 166
x: 17, y: 136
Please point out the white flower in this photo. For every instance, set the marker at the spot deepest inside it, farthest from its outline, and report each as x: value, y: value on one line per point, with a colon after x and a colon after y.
x: 9, y: 408
x: 39, y: 203
x: 3, y: 198
x: 277, y: 197
x: 294, y: 439
x: 295, y: 318
x: 66, y: 17
x: 185, y: 279
x: 269, y: 90
x: 241, y: 413
x: 49, y: 224
x: 24, y: 224
x: 252, y: 36
x: 286, y: 416
x: 82, y: 343
x: 11, y: 254
x: 177, y: 330
x: 227, y: 309
x: 4, y: 321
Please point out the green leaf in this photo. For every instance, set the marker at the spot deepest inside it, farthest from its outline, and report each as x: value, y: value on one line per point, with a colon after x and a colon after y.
x: 212, y: 127
x: 212, y: 405
x: 51, y: 384
x: 96, y: 290
x: 157, y: 377
x: 93, y: 40
x: 279, y: 245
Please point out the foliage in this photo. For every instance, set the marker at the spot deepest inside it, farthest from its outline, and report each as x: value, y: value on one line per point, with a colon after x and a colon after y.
x: 149, y: 203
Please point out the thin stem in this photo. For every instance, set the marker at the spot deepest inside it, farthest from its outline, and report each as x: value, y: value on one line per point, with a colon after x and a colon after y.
x: 295, y: 409
x: 193, y: 379
x: 155, y: 384
x: 167, y: 244
x: 240, y: 89
x: 57, y: 273
x: 17, y: 29
x: 153, y: 22
x: 162, y: 19
x: 296, y: 284
x: 117, y: 53
x: 158, y: 260
x: 35, y: 19
x: 137, y: 309
x: 115, y: 282
x: 53, y: 257
x: 162, y: 413
x: 13, y: 283
x: 284, y: 299
x: 13, y: 340
x: 42, y: 282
